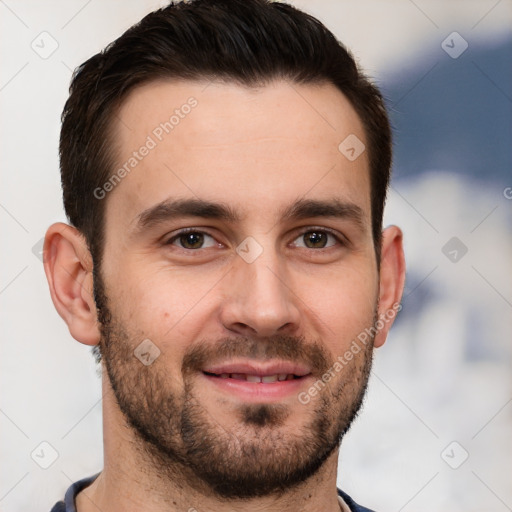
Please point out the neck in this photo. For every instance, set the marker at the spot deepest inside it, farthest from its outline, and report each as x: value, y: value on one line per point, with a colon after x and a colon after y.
x: 130, y: 482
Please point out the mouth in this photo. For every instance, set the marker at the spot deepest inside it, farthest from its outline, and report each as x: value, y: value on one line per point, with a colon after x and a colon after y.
x: 258, y: 382
x: 249, y: 377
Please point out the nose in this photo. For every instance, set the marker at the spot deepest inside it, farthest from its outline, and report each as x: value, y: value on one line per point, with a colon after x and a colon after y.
x: 259, y: 299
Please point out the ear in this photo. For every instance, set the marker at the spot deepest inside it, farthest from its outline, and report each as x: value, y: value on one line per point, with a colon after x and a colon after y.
x: 68, y: 267
x: 391, y: 280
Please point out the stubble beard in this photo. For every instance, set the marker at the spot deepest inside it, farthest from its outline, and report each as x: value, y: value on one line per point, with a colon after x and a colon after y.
x: 182, y: 442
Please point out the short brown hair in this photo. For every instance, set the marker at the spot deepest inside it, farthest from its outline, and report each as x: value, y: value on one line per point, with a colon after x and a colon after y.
x: 249, y: 42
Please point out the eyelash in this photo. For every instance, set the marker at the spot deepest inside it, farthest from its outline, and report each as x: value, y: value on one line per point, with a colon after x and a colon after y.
x: 339, y: 239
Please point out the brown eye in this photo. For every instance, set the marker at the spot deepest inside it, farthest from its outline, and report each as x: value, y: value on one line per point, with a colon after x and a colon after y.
x: 192, y: 240
x: 317, y: 239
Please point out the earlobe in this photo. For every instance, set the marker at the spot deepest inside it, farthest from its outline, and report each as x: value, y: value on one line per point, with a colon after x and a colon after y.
x: 68, y: 267
x: 392, y: 279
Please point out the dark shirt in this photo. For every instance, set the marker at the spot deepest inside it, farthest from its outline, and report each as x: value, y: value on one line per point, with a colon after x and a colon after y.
x: 68, y: 505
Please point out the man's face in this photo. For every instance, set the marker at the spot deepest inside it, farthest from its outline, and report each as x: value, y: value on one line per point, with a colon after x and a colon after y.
x: 240, y: 245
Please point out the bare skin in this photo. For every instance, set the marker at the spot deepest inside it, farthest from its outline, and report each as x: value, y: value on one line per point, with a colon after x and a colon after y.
x: 258, y: 152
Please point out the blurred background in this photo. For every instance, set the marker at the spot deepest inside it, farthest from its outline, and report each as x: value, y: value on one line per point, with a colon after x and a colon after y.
x: 435, y: 431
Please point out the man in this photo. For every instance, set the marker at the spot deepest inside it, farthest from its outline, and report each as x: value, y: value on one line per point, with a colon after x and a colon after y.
x: 224, y: 168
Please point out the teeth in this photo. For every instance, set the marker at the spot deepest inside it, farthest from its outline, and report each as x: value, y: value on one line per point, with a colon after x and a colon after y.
x: 256, y: 378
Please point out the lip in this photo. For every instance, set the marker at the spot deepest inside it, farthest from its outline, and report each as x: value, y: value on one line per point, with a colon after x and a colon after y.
x: 262, y: 369
x: 258, y: 392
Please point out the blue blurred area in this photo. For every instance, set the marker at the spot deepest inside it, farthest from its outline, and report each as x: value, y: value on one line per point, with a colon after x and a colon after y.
x: 452, y: 121
x: 454, y: 114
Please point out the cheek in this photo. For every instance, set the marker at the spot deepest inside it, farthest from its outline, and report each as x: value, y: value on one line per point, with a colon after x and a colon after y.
x: 166, y: 305
x: 342, y: 305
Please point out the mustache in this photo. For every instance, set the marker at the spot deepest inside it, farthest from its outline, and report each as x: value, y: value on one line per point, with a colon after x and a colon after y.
x: 284, y: 347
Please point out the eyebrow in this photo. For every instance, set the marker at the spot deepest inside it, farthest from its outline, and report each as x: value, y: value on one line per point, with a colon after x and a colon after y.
x: 299, y: 210
x: 172, y: 208
x: 307, y: 208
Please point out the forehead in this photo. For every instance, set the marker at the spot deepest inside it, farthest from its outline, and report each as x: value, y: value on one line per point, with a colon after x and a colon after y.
x: 256, y: 149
